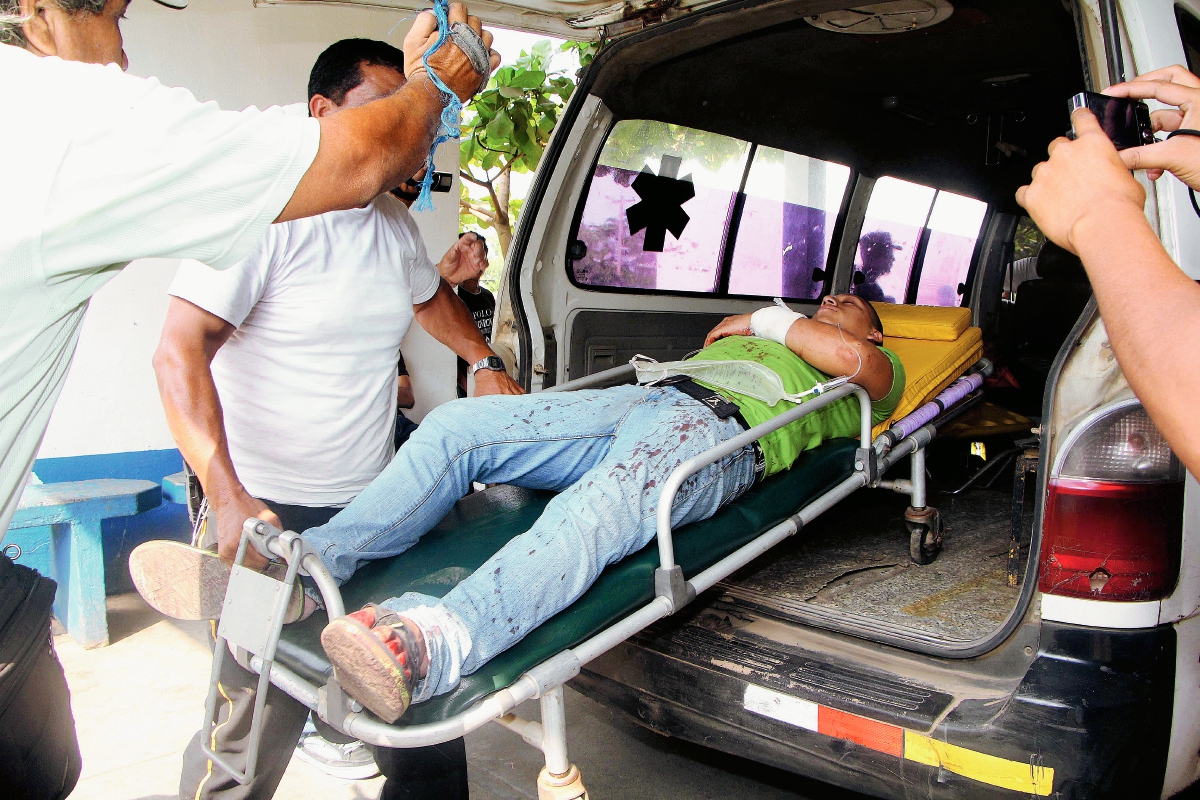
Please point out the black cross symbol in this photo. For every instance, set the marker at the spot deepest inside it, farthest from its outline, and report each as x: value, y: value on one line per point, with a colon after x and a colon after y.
x: 661, y: 206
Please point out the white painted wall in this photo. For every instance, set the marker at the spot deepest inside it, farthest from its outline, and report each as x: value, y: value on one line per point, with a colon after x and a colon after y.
x: 237, y: 55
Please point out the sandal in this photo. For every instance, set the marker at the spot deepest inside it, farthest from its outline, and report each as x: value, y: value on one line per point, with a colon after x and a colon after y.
x: 186, y: 582
x: 374, y: 655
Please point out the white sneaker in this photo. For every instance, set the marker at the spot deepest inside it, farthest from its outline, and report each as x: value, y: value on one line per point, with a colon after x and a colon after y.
x: 351, y: 761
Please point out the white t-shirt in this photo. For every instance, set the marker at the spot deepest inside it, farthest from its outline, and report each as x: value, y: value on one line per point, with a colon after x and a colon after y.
x: 101, y: 168
x: 308, y: 381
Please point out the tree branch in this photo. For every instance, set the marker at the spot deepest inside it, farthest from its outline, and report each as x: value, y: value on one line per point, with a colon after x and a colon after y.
x: 478, y: 211
x: 466, y: 176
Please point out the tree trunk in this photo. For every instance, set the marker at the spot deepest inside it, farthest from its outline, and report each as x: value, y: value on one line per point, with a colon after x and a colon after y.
x: 500, y: 190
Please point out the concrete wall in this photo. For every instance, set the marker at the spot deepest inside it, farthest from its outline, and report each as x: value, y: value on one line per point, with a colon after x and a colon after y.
x: 237, y: 55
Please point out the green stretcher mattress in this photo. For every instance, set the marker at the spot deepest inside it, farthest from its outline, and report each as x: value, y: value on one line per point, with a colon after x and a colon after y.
x: 482, y: 523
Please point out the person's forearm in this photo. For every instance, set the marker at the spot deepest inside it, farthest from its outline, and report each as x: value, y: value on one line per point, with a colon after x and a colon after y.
x: 1151, y: 312
x: 197, y: 424
x: 446, y: 318
x: 368, y: 150
x: 825, y: 347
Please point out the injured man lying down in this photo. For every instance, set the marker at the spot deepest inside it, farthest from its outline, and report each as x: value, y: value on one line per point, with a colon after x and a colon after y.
x: 607, y: 452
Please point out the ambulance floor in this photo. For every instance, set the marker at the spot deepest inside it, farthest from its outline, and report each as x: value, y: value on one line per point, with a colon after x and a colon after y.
x: 854, y: 559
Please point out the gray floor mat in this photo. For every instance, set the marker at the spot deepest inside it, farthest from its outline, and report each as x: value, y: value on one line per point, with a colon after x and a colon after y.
x: 855, y: 558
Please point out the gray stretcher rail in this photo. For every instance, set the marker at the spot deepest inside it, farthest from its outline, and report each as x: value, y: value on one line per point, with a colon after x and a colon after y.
x: 251, y: 638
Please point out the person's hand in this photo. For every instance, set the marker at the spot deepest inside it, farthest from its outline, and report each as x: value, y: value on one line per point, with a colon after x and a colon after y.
x: 466, y: 260
x: 449, y: 61
x: 738, y: 325
x: 1083, y: 180
x: 1173, y: 86
x: 232, y: 514
x: 492, y: 381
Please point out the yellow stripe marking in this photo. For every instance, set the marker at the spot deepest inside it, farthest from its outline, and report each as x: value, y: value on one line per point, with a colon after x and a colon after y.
x: 993, y: 770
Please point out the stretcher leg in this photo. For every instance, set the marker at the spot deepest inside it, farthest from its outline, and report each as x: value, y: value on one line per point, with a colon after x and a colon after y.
x: 924, y: 523
x: 559, y: 779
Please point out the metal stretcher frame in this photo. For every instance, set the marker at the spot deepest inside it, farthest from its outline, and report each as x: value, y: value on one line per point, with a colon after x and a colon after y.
x: 253, y: 641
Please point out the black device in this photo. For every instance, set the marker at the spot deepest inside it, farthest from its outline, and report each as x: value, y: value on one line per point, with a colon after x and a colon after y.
x: 1127, y: 122
x: 441, y: 181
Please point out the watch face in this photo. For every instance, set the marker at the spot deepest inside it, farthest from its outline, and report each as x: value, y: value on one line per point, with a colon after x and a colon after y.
x: 495, y: 362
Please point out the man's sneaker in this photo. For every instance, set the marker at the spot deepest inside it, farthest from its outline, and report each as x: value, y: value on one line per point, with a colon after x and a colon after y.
x: 187, y: 582
x: 375, y: 658
x: 351, y: 761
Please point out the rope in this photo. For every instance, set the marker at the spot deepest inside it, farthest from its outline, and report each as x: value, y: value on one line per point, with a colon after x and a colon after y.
x: 451, y: 113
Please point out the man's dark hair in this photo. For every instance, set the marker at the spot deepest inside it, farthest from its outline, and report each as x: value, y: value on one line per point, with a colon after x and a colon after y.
x: 338, y: 69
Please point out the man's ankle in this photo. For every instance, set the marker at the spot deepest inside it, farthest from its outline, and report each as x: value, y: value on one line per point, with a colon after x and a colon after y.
x: 422, y: 647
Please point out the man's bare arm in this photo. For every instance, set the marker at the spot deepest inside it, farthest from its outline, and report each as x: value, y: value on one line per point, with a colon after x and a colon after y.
x: 448, y: 320
x: 368, y: 150
x: 182, y: 364
x: 827, y: 348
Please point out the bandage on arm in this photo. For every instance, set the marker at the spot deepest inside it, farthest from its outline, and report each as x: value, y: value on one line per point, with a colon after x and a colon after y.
x: 773, y: 322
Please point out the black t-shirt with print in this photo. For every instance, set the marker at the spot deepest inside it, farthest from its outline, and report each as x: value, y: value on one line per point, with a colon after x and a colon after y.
x: 482, y: 306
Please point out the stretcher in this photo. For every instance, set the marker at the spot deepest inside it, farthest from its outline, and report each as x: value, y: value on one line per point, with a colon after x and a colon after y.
x: 942, y: 357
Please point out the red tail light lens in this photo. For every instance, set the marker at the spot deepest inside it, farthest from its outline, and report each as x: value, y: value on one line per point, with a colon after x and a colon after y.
x: 1114, y: 511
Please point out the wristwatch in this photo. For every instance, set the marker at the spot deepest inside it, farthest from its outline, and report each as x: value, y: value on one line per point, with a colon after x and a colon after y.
x: 491, y: 362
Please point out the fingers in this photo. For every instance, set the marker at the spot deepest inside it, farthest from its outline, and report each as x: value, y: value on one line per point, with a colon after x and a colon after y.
x: 1061, y: 140
x: 1151, y: 156
x: 1166, y: 119
x: 1084, y: 122
x: 1173, y: 94
x: 1021, y: 196
x: 424, y: 26
x: 1175, y: 73
x: 457, y: 12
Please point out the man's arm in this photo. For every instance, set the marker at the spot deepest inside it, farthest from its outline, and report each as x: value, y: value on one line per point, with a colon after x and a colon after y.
x: 826, y: 347
x: 368, y: 150
x: 404, y: 392
x: 447, y: 319
x: 1085, y: 200
x: 190, y: 339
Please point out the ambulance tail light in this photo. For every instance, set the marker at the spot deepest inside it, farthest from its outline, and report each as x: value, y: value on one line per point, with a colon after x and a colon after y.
x: 1113, y: 528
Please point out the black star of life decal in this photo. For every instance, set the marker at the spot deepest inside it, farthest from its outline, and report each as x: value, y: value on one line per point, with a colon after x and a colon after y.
x: 661, y: 206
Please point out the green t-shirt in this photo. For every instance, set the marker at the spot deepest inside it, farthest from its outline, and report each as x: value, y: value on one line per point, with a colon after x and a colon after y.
x: 836, y: 420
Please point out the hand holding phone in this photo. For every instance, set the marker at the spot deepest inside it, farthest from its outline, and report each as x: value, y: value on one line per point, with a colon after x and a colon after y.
x: 1125, y: 121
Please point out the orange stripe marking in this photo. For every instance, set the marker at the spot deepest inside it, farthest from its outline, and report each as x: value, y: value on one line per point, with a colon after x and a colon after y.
x: 867, y: 732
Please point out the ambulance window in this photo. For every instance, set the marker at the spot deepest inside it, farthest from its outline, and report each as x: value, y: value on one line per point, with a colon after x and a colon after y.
x: 786, y: 224
x: 658, y: 207
x: 953, y: 228
x: 896, y: 215
x: 916, y: 244
x: 1189, y: 32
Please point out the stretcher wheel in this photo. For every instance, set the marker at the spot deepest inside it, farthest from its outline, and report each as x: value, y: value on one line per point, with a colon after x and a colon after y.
x: 924, y: 534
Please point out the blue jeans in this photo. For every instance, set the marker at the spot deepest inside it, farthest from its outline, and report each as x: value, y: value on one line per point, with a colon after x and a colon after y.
x: 607, y: 452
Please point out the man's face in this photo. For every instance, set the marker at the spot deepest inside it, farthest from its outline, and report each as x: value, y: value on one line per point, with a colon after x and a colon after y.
x: 90, y: 38
x: 852, y: 313
x: 377, y: 82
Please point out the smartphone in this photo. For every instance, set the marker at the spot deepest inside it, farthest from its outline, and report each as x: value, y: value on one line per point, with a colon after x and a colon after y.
x: 442, y: 181
x: 1127, y: 122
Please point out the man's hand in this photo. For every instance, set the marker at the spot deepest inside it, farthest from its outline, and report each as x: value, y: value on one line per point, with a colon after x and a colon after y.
x: 465, y: 261
x: 1173, y: 86
x: 232, y: 514
x: 738, y: 325
x: 1083, y: 181
x: 449, y: 62
x: 491, y: 381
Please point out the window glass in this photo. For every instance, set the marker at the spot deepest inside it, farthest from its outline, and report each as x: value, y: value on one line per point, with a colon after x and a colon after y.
x: 895, y: 217
x: 677, y: 186
x: 1189, y: 32
x: 954, y: 226
x: 786, y: 224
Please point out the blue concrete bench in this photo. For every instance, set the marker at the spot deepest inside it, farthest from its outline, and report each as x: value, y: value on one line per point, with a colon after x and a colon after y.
x: 73, y: 513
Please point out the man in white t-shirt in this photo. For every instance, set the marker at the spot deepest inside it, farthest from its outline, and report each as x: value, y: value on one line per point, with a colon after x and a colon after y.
x: 294, y: 350
x: 102, y: 168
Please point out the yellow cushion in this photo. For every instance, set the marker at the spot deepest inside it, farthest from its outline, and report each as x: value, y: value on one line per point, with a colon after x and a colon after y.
x: 930, y: 323
x: 930, y: 366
